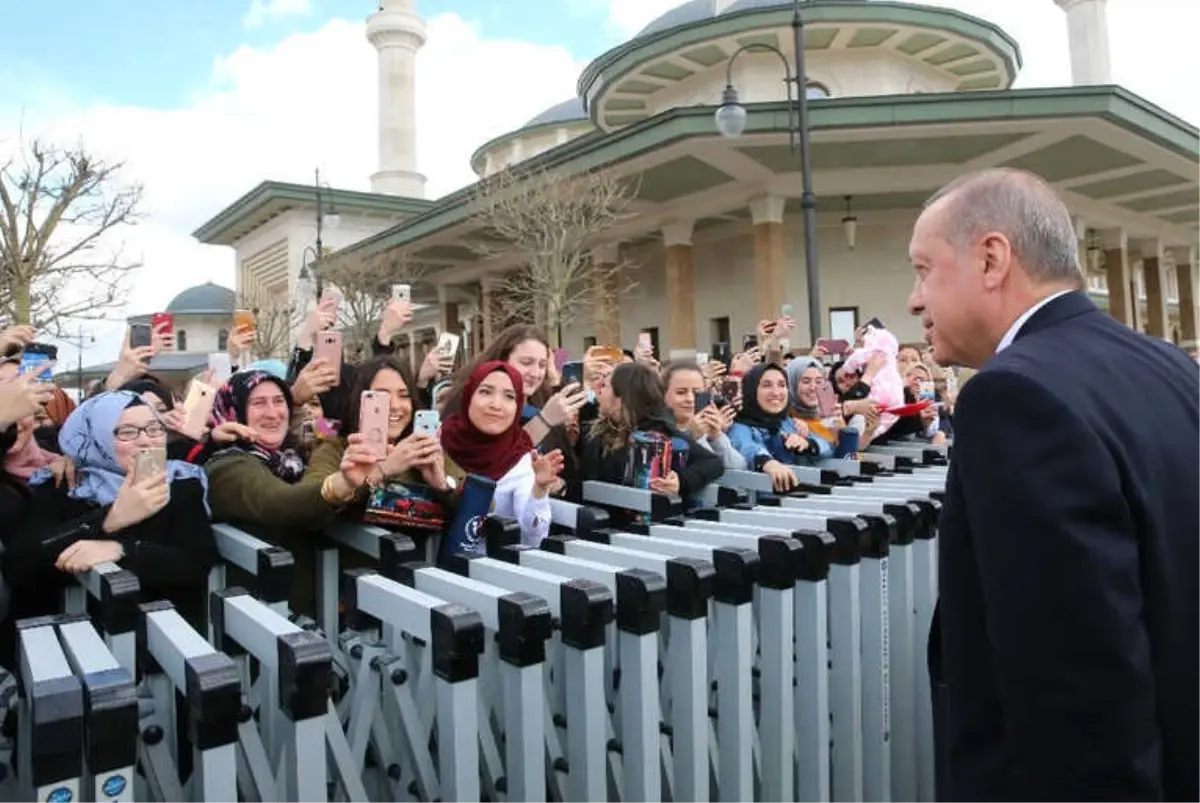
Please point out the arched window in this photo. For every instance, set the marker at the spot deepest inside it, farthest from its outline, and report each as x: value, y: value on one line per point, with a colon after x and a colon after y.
x: 815, y: 90
x: 181, y: 340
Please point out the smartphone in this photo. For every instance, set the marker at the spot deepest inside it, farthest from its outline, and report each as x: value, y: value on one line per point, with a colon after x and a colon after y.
x: 163, y: 323
x: 197, y: 407
x: 701, y: 359
x: 221, y: 366
x: 37, y: 358
x: 703, y: 399
x: 731, y: 387
x: 645, y: 341
x: 951, y: 382
x: 140, y: 335
x: 787, y: 311
x: 426, y: 422
x: 402, y: 292
x: 448, y: 344
x: 329, y: 349
x: 749, y: 342
x: 373, y: 414
x: 150, y: 463
x: 331, y: 296
x: 243, y: 319
x: 826, y: 400
x: 722, y: 353
x: 836, y: 347
x: 572, y: 372
x: 925, y: 391
x: 875, y: 323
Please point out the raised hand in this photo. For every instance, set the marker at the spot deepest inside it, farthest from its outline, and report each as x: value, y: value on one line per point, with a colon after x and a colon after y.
x: 22, y: 397
x: 564, y: 404
x: 546, y: 468
x: 316, y: 378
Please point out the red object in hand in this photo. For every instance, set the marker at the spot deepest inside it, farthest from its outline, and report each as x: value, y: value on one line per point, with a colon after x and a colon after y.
x: 162, y: 323
x: 910, y: 409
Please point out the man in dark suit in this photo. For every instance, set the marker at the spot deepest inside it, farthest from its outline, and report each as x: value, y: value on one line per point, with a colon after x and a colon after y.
x: 1065, y: 650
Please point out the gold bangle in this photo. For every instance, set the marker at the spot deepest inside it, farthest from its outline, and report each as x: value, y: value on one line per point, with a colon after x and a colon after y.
x: 328, y: 493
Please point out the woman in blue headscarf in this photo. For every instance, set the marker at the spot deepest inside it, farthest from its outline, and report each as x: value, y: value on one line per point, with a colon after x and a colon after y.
x: 155, y: 524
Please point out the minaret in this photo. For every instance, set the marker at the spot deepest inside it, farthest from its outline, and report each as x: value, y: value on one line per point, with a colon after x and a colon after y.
x: 1087, y: 32
x: 397, y: 33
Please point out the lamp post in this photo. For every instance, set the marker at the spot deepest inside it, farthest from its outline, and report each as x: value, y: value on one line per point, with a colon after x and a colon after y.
x: 731, y: 122
x: 310, y: 256
x: 79, y: 342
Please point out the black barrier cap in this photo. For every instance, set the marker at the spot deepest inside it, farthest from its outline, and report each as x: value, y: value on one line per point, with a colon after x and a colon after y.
x: 145, y: 659
x: 56, y: 712
x: 120, y: 594
x: 500, y: 533
x: 768, y: 500
x: 850, y: 537
x: 214, y: 695
x: 881, y: 531
x: 736, y: 573
x: 602, y: 535
x: 938, y: 496
x: 830, y: 477
x: 512, y: 554
x: 457, y: 641
x: 908, y: 521
x: 406, y: 574
x: 809, y: 488
x: 275, y: 568
x: 557, y: 543
x: 930, y: 511
x: 305, y: 672
x: 869, y: 469
x: 588, y: 519
x: 395, y: 549
x: 663, y: 507
x: 460, y: 564
x: 706, y: 514
x: 814, y: 558
x: 779, y: 558
x: 348, y: 592
x: 525, y: 625
x: 689, y: 587
x: 216, y: 617
x: 111, y: 735
x: 641, y: 599
x: 585, y: 608
x: 730, y: 496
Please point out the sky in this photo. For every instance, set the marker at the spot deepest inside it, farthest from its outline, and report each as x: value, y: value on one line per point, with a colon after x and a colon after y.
x: 203, y: 99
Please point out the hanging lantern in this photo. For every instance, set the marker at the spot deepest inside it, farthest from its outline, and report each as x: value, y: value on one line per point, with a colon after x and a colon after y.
x: 850, y: 226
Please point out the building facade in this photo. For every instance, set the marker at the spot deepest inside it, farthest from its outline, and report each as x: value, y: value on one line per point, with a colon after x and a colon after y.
x: 903, y: 98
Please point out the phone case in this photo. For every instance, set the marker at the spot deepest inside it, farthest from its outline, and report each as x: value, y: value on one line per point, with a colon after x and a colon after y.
x: 197, y: 407
x: 702, y: 400
x: 244, y: 319
x: 448, y: 344
x: 402, y: 292
x: 149, y: 463
x: 373, y: 415
x: 34, y: 363
x: 163, y: 321
x: 701, y: 359
x: 139, y: 335
x: 426, y: 422
x: 329, y: 349
x: 221, y: 366
x: 572, y: 372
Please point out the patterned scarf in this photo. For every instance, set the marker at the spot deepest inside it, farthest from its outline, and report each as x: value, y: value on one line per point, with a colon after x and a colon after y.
x: 230, y: 405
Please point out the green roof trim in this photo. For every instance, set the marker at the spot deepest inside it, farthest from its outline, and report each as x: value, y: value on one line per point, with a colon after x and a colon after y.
x: 614, y: 66
x: 596, y: 150
x: 274, y: 197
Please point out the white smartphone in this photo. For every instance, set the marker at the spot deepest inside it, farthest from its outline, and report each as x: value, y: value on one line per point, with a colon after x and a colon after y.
x: 702, y: 359
x: 448, y: 344
x: 426, y: 422
x: 221, y: 366
x: 402, y: 292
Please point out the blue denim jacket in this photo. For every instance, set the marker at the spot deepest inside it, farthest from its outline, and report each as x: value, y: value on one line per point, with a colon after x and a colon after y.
x: 751, y: 443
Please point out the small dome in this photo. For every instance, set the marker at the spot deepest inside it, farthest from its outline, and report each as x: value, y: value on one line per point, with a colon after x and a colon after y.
x: 568, y: 111
x: 203, y: 298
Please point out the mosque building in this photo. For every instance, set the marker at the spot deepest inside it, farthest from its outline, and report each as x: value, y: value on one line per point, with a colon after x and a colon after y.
x: 901, y: 99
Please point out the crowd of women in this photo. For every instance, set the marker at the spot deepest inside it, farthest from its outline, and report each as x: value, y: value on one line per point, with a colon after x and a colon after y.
x: 282, y: 457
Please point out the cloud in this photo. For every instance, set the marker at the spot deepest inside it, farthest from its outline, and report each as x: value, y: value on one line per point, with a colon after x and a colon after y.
x: 264, y: 11
x: 276, y: 113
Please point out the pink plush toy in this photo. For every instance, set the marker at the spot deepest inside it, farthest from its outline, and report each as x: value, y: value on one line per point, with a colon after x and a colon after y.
x: 887, y: 389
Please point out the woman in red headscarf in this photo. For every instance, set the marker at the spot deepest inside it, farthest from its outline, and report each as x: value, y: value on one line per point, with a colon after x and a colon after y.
x: 486, y: 438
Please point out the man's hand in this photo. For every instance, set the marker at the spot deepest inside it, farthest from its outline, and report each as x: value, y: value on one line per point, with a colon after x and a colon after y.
x: 316, y: 378
x: 396, y: 315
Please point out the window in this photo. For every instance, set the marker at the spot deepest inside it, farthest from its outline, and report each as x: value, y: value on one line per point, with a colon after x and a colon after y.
x: 181, y: 340
x: 842, y: 323
x: 814, y: 90
x: 222, y: 340
x: 653, y: 332
x: 719, y: 329
x: 588, y: 342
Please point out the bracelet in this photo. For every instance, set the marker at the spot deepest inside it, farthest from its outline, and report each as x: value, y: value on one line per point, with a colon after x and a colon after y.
x: 329, y: 493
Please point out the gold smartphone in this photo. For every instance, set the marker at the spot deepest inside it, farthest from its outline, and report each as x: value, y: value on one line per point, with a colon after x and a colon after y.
x: 150, y: 463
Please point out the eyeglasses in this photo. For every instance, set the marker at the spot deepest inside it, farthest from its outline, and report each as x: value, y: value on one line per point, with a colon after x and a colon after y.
x: 129, y: 432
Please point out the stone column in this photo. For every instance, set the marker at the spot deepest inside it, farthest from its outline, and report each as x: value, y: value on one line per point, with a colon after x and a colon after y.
x: 487, y: 312
x: 770, y: 257
x: 448, y: 313
x: 1116, y: 263
x: 1156, y: 291
x: 606, y: 295
x: 680, y: 291
x: 414, y: 361
x: 1185, y: 274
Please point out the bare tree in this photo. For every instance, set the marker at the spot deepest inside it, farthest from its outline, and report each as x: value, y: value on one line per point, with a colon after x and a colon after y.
x: 366, y: 285
x: 276, y: 320
x: 60, y: 211
x: 545, y: 223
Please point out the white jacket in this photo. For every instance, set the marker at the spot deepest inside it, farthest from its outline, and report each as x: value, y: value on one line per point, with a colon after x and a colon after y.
x: 514, y: 499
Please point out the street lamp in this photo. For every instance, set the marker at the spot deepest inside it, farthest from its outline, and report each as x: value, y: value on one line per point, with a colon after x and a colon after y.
x: 730, y: 121
x: 310, y: 256
x: 79, y: 342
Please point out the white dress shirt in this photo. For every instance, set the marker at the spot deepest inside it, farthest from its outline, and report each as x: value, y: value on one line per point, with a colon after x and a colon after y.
x: 1011, y: 334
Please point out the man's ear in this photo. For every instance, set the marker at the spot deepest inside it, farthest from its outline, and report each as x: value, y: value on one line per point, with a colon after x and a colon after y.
x: 997, y: 259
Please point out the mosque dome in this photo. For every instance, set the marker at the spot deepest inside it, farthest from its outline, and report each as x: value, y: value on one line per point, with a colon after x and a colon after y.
x: 203, y: 299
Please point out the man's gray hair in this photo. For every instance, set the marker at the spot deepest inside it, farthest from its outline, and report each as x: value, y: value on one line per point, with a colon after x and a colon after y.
x: 1022, y: 207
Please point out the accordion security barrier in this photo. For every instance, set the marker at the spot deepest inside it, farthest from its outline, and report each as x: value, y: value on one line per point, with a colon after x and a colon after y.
x: 758, y: 647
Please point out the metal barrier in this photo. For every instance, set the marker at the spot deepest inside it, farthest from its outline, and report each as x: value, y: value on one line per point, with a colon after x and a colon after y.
x: 110, y: 595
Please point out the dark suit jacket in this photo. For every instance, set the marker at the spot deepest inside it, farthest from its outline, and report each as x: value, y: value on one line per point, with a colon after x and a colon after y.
x: 1068, y: 569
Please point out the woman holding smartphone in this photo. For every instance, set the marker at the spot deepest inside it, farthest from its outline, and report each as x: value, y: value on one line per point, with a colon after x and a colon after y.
x: 151, y: 521
x: 706, y: 422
